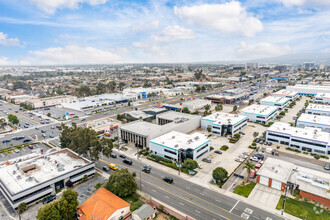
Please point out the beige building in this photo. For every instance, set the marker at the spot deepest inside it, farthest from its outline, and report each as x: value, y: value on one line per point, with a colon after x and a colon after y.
x: 104, y: 125
x: 50, y: 101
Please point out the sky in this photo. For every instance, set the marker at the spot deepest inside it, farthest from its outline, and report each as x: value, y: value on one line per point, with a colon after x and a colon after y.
x: 40, y: 32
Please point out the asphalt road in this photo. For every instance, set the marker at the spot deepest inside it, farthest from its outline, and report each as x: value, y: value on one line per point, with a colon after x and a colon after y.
x: 189, y: 198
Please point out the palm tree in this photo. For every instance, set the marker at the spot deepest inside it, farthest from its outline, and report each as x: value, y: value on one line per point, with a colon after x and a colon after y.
x: 249, y: 166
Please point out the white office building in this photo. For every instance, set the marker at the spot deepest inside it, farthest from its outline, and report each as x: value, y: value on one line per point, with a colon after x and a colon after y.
x: 322, y: 98
x: 314, y: 121
x: 259, y: 113
x: 285, y: 93
x: 316, y: 109
x: 309, y: 139
x: 279, y: 102
x: 192, y: 146
x: 32, y: 179
x: 196, y: 104
x: 308, y: 89
x: 223, y: 123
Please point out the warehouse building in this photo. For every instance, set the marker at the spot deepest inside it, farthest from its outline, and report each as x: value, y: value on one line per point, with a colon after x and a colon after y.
x: 323, y: 98
x: 89, y: 106
x: 50, y: 101
x: 308, y: 89
x: 279, y: 102
x: 224, y: 123
x: 292, y: 95
x: 314, y: 121
x: 138, y: 115
x: 35, y: 178
x: 311, y: 184
x: 308, y: 139
x: 316, y: 109
x: 196, y: 104
x: 259, y: 113
x: 170, y: 146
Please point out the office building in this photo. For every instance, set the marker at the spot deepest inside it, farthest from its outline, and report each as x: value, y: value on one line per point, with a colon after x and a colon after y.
x: 138, y: 115
x: 308, y: 89
x: 308, y: 139
x: 314, y: 121
x: 259, y: 113
x: 323, y: 98
x: 32, y: 179
x: 170, y: 145
x: 279, y: 102
x: 224, y: 123
x: 195, y: 104
x: 292, y: 95
x: 50, y: 101
x: 316, y: 109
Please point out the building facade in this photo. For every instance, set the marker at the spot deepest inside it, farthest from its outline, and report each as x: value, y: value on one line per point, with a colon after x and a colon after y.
x: 315, y: 109
x: 279, y: 102
x: 308, y: 89
x: 314, y: 121
x: 259, y: 113
x: 50, y: 101
x: 323, y: 98
x: 292, y: 95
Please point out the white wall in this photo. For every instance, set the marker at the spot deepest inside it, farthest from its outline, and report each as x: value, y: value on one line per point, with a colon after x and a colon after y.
x: 119, y: 212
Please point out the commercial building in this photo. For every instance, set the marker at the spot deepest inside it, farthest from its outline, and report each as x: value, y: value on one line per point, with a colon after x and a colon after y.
x: 154, y: 111
x: 144, y: 212
x: 308, y: 139
x: 322, y: 98
x: 315, y: 109
x: 292, y: 95
x: 32, y: 179
x: 89, y: 106
x: 224, y: 123
x: 104, y: 125
x: 279, y: 102
x: 314, y: 121
x: 104, y: 205
x: 259, y: 113
x: 227, y: 98
x: 308, y: 89
x: 170, y: 145
x: 50, y: 101
x: 138, y: 115
x: 310, y: 184
x: 196, y: 104
x: 140, y: 133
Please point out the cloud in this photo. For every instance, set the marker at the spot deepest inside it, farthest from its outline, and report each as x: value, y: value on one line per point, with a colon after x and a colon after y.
x: 73, y: 54
x: 173, y: 33
x: 290, y: 3
x: 4, y: 61
x: 5, y: 41
x: 261, y: 50
x: 150, y: 48
x: 227, y: 18
x: 50, y: 6
x: 146, y: 26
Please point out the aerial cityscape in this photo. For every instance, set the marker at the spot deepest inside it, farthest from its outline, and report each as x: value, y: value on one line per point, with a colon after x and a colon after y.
x: 164, y: 109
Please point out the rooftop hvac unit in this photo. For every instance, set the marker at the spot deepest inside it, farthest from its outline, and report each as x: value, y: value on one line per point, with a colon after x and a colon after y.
x: 19, y: 177
x: 14, y: 172
x: 176, y: 145
x: 196, y: 138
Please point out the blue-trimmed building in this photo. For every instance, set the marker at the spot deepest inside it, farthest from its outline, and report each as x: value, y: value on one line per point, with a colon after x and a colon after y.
x: 279, y: 102
x: 314, y: 121
x: 169, y: 146
x: 308, y: 89
x: 259, y: 113
x: 223, y: 123
x: 315, y: 109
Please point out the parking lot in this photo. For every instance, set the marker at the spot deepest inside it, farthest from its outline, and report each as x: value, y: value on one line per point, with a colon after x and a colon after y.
x: 60, y: 113
x: 24, y: 151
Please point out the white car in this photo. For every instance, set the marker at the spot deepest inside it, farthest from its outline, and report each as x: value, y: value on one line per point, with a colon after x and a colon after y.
x: 254, y: 159
x: 200, y: 166
x: 16, y: 151
x: 242, y: 156
x: 239, y: 160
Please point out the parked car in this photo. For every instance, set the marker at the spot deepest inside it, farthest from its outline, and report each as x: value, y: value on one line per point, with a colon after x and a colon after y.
x: 146, y: 168
x: 51, y: 136
x: 5, y: 141
x: 242, y: 156
x: 122, y: 156
x: 16, y: 151
x: 30, y: 147
x: 128, y: 161
x: 253, y: 174
x: 258, y: 165
x: 259, y: 156
x: 52, y: 127
x: 239, y: 160
x: 168, y: 179
x: 27, y: 140
x: 84, y: 119
x: 43, y: 131
x: 105, y: 168
x: 254, y: 159
x: 327, y: 167
x: 113, y: 155
x: 270, y: 143
x: 36, y: 128
x: 207, y: 160
x: 241, y: 132
x: 246, y: 153
x: 218, y: 152
x: 26, y: 126
x: 200, y: 166
x: 49, y: 199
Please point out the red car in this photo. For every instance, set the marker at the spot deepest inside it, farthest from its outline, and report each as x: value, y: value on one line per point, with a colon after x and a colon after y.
x: 30, y: 147
x: 258, y: 165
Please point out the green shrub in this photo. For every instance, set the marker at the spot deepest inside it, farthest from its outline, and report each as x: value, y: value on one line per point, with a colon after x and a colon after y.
x: 252, y: 147
x: 305, y: 152
x: 254, y: 144
x: 211, y: 148
x: 278, y: 147
x: 224, y: 147
x: 317, y: 157
x: 324, y: 157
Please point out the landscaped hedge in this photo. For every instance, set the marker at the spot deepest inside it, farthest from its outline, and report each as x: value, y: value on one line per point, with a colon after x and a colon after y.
x: 295, y: 150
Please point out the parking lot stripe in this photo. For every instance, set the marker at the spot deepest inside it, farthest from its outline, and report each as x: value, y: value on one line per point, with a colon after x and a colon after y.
x: 234, y: 206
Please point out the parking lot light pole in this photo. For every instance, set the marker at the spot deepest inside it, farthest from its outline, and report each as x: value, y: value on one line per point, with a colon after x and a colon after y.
x: 286, y: 189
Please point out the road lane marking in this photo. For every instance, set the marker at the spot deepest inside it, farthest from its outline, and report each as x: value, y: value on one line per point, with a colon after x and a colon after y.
x: 173, y: 187
x: 181, y: 203
x: 234, y: 206
x: 198, y: 211
x: 166, y: 197
x: 218, y: 201
x: 154, y: 190
x: 26, y: 117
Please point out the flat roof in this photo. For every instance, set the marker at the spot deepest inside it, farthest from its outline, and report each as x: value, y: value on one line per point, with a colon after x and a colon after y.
x: 318, y: 107
x: 26, y: 174
x: 285, y: 92
x: 323, y: 95
x: 255, y: 109
x: 177, y: 140
x: 176, y: 116
x: 153, y: 109
x: 143, y: 128
x: 307, y: 133
x: 138, y: 114
x: 276, y: 169
x: 197, y: 102
x: 224, y: 118
x: 276, y: 100
x: 314, y: 119
x: 84, y: 103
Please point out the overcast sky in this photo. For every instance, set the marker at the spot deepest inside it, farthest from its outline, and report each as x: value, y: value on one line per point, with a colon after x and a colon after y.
x: 142, y: 31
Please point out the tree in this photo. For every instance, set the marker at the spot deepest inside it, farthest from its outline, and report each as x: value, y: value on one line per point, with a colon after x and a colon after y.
x: 218, y: 107
x: 220, y: 174
x: 185, y: 110
x: 48, y: 114
x: 237, y: 135
x: 122, y: 183
x: 100, y: 89
x: 190, y: 164
x: 235, y: 108
x: 255, y: 134
x: 198, y: 89
x: 282, y: 113
x: 203, y: 88
x: 149, y: 120
x: 251, y: 101
x: 21, y: 208
x: 209, y: 129
x: 68, y: 204
x: 49, y: 212
x: 121, y: 85
x: 13, y: 119
x: 249, y: 166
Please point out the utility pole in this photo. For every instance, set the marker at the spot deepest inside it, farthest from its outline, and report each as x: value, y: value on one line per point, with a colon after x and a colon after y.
x: 286, y: 187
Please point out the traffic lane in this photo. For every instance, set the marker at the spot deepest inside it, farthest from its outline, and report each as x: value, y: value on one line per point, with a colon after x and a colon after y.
x: 247, y: 211
x: 208, y: 200
x: 162, y: 191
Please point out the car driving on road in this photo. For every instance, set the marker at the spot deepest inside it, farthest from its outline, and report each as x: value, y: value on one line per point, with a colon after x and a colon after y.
x: 128, y: 161
x: 168, y: 179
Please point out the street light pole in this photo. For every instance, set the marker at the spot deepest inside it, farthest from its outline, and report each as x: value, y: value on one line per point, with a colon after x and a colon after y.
x: 286, y: 189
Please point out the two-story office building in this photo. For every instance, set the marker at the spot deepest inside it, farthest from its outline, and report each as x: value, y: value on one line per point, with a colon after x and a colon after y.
x: 279, y: 102
x: 32, y: 179
x: 259, y: 113
x: 314, y: 121
x: 169, y: 146
x: 224, y: 123
x: 316, y: 109
x: 322, y: 97
x: 308, y: 139
x: 292, y: 95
